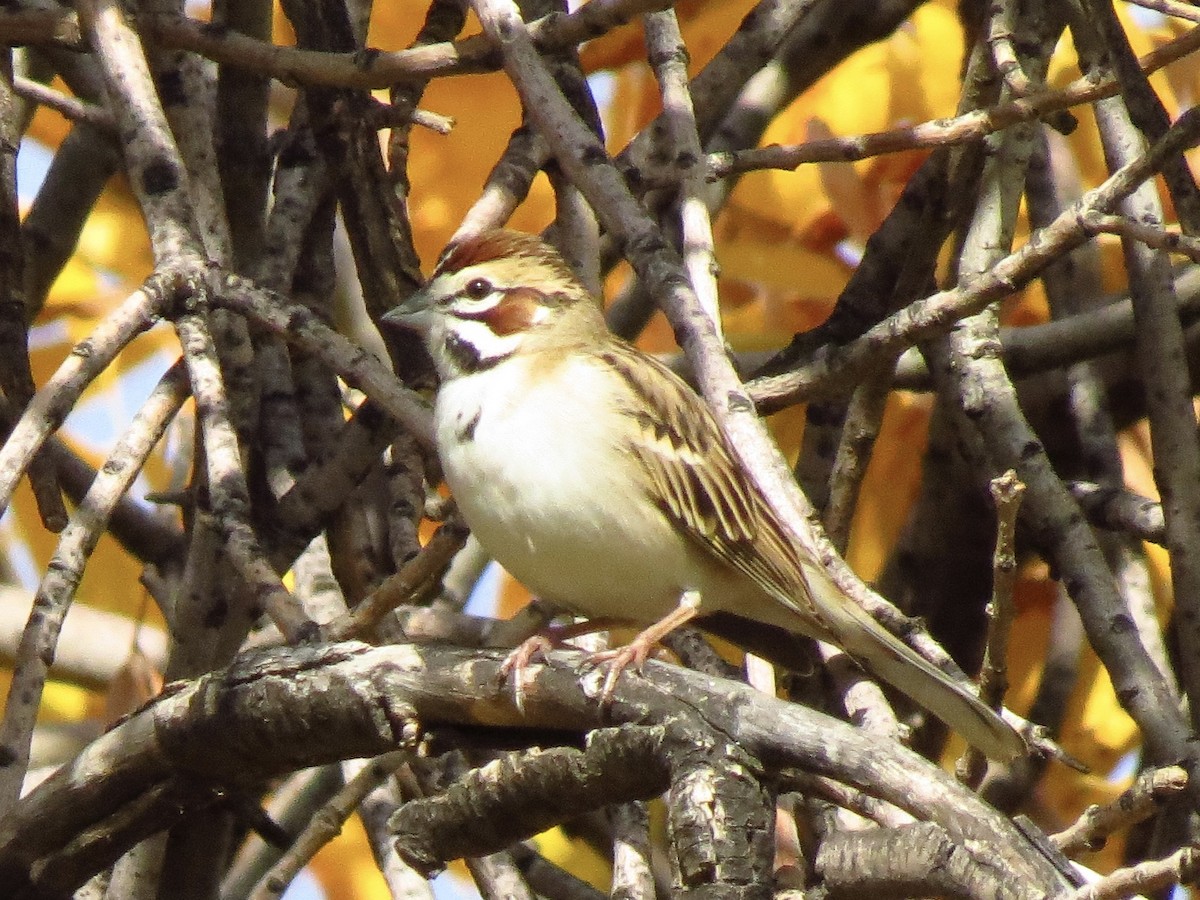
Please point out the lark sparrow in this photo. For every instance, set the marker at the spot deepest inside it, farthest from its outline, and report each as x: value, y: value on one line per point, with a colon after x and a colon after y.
x: 603, y: 483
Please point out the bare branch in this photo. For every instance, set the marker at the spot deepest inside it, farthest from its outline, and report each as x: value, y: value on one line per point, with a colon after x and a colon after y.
x: 1180, y: 867
x: 1152, y: 789
x: 274, y: 712
x: 835, y: 367
x: 969, y: 126
x: 1007, y: 491
x: 380, y: 70
x: 1121, y: 510
x: 1151, y: 235
x: 325, y: 825
x: 54, y: 594
x: 423, y: 571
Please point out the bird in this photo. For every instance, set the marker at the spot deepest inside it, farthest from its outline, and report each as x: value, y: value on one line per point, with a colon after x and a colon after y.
x: 602, y: 481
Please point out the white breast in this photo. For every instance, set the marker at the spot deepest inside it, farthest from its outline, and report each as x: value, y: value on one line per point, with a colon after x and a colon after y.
x: 543, y: 484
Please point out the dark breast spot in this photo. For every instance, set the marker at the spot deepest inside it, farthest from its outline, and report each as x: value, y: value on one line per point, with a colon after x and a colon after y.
x: 465, y: 431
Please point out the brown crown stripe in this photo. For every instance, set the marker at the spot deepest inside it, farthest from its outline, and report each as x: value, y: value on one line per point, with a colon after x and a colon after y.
x: 499, y: 244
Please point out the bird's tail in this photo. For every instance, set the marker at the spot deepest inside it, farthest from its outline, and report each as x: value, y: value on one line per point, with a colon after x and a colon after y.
x: 884, y: 656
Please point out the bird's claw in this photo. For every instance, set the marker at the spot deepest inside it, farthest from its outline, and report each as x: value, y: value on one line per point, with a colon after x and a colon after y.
x: 517, y: 663
x: 632, y: 655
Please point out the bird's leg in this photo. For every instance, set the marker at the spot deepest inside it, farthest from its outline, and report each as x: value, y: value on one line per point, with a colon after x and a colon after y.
x: 636, y: 651
x: 538, y: 645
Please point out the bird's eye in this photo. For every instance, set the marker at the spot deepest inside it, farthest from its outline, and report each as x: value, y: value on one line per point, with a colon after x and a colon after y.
x: 478, y: 288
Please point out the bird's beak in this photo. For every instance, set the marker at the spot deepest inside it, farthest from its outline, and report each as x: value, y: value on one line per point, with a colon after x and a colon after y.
x: 411, y: 315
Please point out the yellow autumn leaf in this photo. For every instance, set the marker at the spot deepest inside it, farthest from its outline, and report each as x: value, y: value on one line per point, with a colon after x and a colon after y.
x: 705, y: 24
x: 576, y: 856
x: 64, y: 703
x: 891, y: 484
x: 346, y: 868
x: 394, y: 26
x: 931, y: 42
x: 114, y: 238
x: 448, y: 171
x: 77, y: 287
x: 1184, y: 74
x: 927, y: 50
x: 787, y: 266
x: 47, y: 126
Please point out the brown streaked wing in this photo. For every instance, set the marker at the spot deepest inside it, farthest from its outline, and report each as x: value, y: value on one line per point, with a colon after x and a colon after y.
x: 698, y: 484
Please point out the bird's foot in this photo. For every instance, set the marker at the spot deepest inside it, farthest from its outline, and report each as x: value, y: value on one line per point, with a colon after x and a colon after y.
x: 637, y: 651
x: 517, y: 663
x: 632, y: 655
x: 536, y: 648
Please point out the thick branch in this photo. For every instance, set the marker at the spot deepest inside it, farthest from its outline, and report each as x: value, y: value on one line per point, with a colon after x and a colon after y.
x: 274, y: 712
x: 523, y: 793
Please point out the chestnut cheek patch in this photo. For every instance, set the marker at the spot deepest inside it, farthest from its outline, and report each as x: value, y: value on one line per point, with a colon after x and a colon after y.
x: 519, y: 310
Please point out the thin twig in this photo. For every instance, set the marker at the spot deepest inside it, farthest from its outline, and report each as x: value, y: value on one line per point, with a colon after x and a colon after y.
x: 1120, y: 510
x: 970, y: 126
x: 16, y: 376
x: 1007, y: 491
x: 1160, y: 238
x: 1140, y: 801
x: 547, y: 879
x: 832, y: 368
x: 498, y: 877
x: 714, y: 90
x: 1031, y: 349
x: 423, y: 569
x: 58, y: 396
x: 392, y: 115
x: 1171, y: 8
x: 845, y: 797
x: 668, y: 57
x: 325, y: 825
x: 358, y: 367
x: 54, y: 595
x: 632, y: 877
x: 293, y: 805
x: 1149, y: 877
x: 155, y: 169
x: 1000, y: 40
x: 228, y: 490
x: 863, y: 420
x: 863, y: 699
x: 71, y: 107
x: 507, y: 184
x: 39, y: 26
x: 375, y: 811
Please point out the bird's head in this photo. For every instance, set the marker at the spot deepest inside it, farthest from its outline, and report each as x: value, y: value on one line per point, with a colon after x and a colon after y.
x: 492, y: 295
